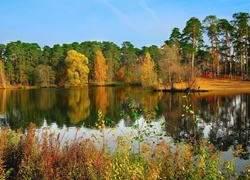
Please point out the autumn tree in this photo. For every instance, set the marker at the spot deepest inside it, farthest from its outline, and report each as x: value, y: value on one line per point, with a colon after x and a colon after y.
x: 2, y: 76
x: 120, y: 75
x: 155, y: 53
x: 44, y: 76
x: 77, y: 68
x: 100, y: 68
x: 170, y: 66
x: 148, y: 76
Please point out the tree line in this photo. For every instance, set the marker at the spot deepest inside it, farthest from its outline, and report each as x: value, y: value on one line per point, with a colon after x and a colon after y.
x: 183, y: 56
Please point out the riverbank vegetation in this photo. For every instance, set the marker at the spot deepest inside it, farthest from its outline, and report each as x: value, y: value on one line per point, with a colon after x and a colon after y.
x: 143, y: 153
x: 181, y: 58
x: 25, y: 156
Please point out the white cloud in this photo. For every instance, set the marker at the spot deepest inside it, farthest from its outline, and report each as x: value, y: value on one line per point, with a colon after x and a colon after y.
x: 119, y: 13
x: 149, y: 10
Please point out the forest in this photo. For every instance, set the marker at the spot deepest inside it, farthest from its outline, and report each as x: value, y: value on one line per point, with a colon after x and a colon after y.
x: 184, y: 55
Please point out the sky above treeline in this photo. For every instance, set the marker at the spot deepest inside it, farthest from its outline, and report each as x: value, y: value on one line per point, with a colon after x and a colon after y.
x: 141, y: 22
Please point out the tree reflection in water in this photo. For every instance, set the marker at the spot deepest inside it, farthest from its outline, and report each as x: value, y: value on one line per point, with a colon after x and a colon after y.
x: 223, y: 118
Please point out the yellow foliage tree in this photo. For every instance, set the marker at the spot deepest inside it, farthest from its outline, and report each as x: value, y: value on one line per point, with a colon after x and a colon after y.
x: 77, y: 68
x: 148, y: 76
x: 100, y: 68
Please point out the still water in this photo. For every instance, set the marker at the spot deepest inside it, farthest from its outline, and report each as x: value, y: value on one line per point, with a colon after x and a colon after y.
x: 221, y: 118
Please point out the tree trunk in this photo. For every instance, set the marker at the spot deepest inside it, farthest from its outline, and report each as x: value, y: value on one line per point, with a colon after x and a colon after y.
x: 192, y: 65
x: 229, y: 57
x: 246, y: 51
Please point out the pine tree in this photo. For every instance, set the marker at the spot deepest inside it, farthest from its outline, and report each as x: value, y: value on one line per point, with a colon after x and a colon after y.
x: 192, y: 35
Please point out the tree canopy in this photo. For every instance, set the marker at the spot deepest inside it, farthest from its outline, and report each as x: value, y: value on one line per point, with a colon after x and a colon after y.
x: 100, y: 68
x: 77, y: 68
x: 226, y: 53
x: 149, y: 75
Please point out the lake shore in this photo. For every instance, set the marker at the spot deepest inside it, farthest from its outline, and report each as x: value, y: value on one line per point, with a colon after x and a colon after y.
x: 215, y: 84
x: 200, y: 85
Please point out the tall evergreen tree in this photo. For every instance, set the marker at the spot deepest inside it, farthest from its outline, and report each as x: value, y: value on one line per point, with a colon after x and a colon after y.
x: 112, y: 54
x: 129, y: 59
x: 46, y: 55
x: 89, y: 48
x: 15, y: 62
x: 241, y: 24
x: 192, y: 36
x: 210, y: 24
x: 226, y: 34
x: 175, y: 38
x: 128, y: 54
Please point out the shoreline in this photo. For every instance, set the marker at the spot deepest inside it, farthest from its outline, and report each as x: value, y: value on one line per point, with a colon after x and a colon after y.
x: 212, y: 84
x: 201, y: 85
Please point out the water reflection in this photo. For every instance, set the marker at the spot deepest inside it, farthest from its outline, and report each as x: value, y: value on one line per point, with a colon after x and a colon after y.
x: 223, y: 119
x: 101, y: 99
x: 78, y: 105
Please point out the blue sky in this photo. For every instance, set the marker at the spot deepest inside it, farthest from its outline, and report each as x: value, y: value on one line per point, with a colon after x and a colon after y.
x: 141, y: 22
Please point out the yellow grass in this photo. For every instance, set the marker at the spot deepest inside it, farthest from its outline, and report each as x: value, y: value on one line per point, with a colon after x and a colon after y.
x: 214, y: 84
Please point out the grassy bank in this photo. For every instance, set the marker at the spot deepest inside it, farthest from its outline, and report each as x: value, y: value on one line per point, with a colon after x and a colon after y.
x: 215, y: 84
x: 27, y: 156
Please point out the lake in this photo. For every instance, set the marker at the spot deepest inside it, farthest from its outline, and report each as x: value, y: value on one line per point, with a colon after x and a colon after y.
x: 221, y: 118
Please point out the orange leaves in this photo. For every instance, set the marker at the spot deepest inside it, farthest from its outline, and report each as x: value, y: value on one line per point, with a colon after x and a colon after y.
x: 100, y: 68
x: 120, y: 74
